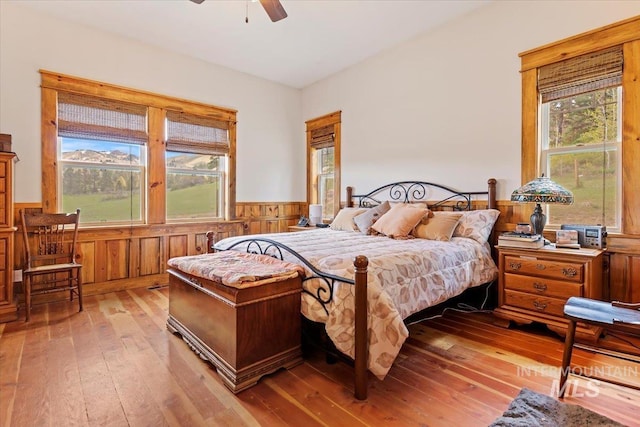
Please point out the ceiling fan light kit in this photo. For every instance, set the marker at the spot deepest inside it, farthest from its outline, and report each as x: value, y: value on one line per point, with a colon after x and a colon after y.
x: 273, y: 8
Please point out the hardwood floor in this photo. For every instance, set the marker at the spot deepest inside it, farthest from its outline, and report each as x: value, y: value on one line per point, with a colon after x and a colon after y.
x: 115, y: 364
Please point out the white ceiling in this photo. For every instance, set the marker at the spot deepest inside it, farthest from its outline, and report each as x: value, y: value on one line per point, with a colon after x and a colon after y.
x: 317, y: 39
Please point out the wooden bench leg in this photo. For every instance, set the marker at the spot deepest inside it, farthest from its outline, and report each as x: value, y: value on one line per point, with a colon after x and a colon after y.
x: 566, y: 357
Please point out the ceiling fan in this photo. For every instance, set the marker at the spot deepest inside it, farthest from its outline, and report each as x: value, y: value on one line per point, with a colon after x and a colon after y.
x: 273, y: 8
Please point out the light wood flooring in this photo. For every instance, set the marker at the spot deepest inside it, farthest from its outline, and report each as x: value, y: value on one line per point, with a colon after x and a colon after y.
x: 116, y: 364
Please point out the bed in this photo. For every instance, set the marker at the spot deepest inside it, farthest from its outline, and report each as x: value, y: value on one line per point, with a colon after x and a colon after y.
x: 363, y: 285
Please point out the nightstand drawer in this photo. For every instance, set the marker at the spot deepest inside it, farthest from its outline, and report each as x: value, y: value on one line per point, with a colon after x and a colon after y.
x: 545, y: 268
x: 538, y: 304
x: 542, y: 286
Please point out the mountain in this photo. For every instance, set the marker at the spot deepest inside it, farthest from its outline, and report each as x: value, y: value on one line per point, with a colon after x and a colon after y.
x: 117, y: 157
x: 92, y: 156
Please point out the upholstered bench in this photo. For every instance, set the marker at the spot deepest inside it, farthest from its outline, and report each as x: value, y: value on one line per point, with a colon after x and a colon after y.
x: 239, y: 311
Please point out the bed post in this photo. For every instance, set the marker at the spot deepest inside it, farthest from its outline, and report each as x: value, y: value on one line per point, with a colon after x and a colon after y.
x: 361, y: 339
x: 210, y: 241
x: 349, y: 201
x: 492, y: 194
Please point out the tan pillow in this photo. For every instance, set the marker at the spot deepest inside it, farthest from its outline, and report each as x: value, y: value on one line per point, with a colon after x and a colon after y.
x: 399, y: 221
x: 344, y: 220
x: 438, y: 227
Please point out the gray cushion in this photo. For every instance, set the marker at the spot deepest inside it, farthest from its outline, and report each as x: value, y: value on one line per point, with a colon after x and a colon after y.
x: 365, y: 220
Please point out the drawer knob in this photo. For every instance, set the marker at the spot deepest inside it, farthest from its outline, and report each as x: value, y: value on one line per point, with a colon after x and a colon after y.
x: 569, y: 271
x: 540, y: 306
x: 540, y: 287
x: 515, y: 265
x: 540, y: 267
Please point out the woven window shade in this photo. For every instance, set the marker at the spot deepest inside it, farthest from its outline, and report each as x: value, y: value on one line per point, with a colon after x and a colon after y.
x: 196, y: 134
x: 322, y: 137
x: 89, y: 117
x: 585, y: 73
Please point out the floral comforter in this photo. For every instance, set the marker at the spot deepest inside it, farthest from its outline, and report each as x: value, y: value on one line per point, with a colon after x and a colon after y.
x: 404, y: 277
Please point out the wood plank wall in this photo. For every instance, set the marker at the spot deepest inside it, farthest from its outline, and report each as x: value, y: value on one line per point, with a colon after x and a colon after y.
x: 131, y: 257
x: 125, y: 258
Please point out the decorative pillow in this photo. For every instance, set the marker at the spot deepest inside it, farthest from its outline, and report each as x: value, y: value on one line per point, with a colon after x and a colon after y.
x: 366, y: 219
x: 437, y: 227
x: 344, y: 220
x: 476, y: 225
x: 399, y: 221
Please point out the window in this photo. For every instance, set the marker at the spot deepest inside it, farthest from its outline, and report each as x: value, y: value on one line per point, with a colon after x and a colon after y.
x: 197, y: 149
x: 103, y: 179
x: 323, y: 160
x: 133, y: 157
x: 580, y: 103
x: 325, y: 167
x: 101, y: 158
x: 582, y: 134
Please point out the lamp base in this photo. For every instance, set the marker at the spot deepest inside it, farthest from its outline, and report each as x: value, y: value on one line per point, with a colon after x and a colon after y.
x: 538, y: 220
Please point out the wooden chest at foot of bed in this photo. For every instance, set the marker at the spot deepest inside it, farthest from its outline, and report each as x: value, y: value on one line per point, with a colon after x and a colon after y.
x: 245, y: 333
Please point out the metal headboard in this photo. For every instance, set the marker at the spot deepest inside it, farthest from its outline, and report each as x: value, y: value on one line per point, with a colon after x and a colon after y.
x: 421, y: 191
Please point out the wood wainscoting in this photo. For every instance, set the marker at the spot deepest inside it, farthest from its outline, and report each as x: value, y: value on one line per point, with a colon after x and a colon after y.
x: 132, y: 257
x: 118, y: 258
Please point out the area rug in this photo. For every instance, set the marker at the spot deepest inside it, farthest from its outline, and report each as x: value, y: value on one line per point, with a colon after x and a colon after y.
x: 531, y: 409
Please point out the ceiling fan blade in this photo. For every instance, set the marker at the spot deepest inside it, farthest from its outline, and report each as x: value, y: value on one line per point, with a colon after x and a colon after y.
x: 274, y: 9
x: 197, y: 1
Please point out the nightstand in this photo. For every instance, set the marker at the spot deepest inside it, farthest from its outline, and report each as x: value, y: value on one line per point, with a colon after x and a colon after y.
x: 534, y: 284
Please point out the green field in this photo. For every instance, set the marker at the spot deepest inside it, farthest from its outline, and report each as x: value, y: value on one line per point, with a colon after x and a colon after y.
x: 192, y: 202
x: 587, y: 206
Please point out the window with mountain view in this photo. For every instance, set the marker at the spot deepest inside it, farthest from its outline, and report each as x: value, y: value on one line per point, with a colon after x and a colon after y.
x: 103, y: 179
x: 196, y: 162
x: 102, y: 158
x: 123, y: 156
x: 194, y: 185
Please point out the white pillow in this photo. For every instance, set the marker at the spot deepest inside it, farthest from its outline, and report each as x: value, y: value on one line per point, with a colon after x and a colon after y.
x: 344, y: 220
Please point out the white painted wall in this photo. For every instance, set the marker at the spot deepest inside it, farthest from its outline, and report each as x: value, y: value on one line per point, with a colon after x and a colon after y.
x: 270, y: 123
x: 445, y: 106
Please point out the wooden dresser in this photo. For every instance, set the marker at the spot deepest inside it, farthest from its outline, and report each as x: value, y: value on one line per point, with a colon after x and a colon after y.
x: 8, y: 309
x: 534, y: 285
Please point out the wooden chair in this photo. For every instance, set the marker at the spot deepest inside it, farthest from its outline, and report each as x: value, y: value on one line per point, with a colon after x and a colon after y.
x: 614, y: 316
x: 50, y: 249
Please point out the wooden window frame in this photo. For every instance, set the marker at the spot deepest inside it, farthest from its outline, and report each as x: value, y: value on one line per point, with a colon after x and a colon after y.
x: 156, y: 169
x: 625, y: 33
x: 333, y: 119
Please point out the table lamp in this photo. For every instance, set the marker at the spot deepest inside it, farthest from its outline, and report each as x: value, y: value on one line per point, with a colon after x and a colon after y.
x: 315, y: 214
x: 541, y: 190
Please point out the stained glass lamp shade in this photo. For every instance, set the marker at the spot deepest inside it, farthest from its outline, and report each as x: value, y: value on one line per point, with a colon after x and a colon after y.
x: 541, y: 190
